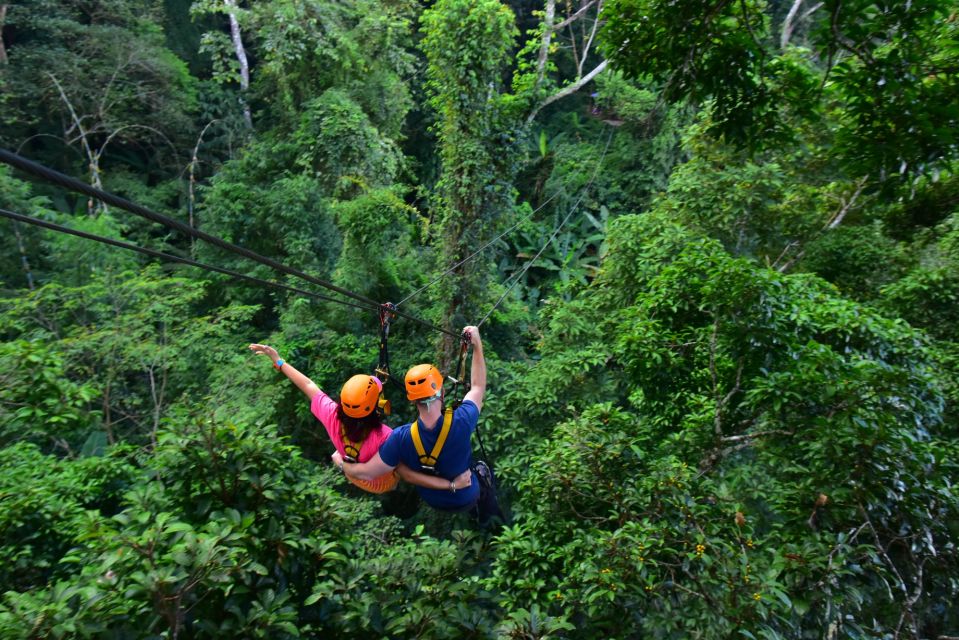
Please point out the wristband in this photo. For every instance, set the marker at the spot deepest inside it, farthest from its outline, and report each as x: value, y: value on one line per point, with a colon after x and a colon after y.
x: 452, y: 487
x: 278, y: 364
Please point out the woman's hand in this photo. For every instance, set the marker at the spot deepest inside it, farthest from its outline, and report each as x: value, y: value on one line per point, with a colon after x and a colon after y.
x: 463, y: 480
x: 266, y: 350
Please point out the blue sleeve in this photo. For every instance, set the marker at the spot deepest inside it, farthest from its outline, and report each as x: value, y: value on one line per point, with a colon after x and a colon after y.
x: 468, y: 413
x: 390, y: 449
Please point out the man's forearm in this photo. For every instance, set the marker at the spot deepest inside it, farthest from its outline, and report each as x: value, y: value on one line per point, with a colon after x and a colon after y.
x: 478, y: 368
x: 424, y: 480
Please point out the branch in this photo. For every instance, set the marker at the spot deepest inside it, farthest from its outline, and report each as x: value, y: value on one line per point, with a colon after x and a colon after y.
x: 65, y: 142
x: 846, y: 205
x: 788, y: 24
x: 835, y: 549
x: 573, y: 88
x: 93, y: 158
x: 114, y: 133
x: 194, y: 161
x: 758, y: 434
x: 576, y: 16
x: 840, y: 39
x: 589, y: 43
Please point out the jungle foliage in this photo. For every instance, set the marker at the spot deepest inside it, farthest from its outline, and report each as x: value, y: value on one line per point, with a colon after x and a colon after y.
x: 721, y: 304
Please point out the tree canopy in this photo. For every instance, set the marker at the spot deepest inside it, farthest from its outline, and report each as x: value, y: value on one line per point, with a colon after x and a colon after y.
x: 712, y: 247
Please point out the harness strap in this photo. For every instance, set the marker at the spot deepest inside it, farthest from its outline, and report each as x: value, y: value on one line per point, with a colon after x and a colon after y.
x: 461, y: 374
x: 350, y: 448
x: 428, y: 462
x: 387, y: 313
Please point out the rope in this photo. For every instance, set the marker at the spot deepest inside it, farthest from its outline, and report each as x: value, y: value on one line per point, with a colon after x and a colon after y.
x: 75, y: 185
x: 166, y: 256
x: 572, y: 209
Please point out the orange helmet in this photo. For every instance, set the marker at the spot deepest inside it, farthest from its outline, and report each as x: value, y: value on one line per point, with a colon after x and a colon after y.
x: 423, y: 381
x: 359, y: 395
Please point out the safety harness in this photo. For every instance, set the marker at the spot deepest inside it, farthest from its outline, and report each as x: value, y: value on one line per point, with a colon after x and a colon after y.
x: 382, y: 371
x: 428, y: 462
x: 350, y: 448
x: 461, y: 374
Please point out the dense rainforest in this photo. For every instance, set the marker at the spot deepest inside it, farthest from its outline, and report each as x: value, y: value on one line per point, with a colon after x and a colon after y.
x: 712, y: 245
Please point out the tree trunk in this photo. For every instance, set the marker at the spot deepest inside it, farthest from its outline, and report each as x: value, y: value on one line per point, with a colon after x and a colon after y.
x: 236, y: 35
x: 3, y: 20
x: 547, y: 38
x: 23, y: 253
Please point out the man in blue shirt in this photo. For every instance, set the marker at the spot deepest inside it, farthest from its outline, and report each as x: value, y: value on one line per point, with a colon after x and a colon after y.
x: 438, y: 442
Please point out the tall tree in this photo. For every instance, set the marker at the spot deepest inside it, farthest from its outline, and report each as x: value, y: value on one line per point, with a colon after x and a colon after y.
x: 467, y: 46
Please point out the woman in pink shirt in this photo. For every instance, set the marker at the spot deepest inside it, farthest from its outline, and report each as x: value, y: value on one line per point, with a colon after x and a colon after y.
x: 354, y: 426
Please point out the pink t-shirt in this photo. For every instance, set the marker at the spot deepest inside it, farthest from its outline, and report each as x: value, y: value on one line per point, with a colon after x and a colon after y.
x: 324, y: 408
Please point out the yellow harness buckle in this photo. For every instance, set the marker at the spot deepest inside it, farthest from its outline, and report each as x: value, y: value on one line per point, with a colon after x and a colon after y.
x: 351, y: 449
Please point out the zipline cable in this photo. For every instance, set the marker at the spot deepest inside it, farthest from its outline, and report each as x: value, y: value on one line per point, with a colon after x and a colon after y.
x: 572, y: 209
x: 166, y: 256
x: 73, y: 184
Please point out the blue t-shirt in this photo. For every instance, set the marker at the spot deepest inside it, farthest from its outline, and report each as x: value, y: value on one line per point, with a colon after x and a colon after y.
x: 453, y: 460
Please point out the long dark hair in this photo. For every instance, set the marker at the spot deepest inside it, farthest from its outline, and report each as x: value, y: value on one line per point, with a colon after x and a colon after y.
x: 358, y: 428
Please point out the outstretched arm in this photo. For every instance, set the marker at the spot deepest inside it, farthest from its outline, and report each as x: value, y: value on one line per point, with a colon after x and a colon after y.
x: 477, y: 369
x: 304, y: 384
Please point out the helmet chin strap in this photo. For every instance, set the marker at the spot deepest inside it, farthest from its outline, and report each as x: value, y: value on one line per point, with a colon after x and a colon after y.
x: 428, y: 402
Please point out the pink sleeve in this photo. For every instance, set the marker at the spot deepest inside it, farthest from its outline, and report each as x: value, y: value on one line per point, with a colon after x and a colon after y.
x: 373, y: 441
x: 324, y: 408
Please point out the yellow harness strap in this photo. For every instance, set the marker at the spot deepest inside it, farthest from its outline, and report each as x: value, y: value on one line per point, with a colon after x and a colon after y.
x: 428, y: 462
x: 352, y: 449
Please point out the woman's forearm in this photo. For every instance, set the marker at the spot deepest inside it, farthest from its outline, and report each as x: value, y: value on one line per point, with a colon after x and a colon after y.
x: 304, y: 384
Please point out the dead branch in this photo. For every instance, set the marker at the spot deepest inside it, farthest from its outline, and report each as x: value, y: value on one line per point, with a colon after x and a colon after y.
x: 191, y: 200
x: 845, y: 206
x: 589, y: 42
x: 92, y: 158
x: 573, y: 88
x: 758, y: 434
x: 576, y: 16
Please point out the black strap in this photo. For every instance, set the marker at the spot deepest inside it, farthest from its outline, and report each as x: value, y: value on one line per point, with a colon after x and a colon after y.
x: 387, y: 313
x: 461, y: 374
